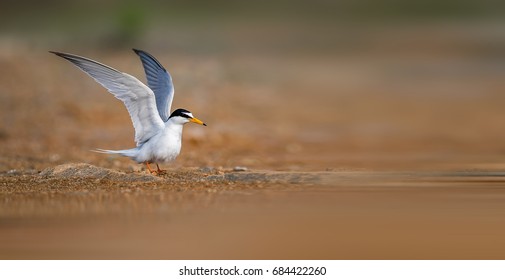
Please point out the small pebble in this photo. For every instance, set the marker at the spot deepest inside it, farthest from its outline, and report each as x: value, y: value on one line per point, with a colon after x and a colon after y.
x: 206, y: 169
x: 13, y: 172
x: 239, y: 168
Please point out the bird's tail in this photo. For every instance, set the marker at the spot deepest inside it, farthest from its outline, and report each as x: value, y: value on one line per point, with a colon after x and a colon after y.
x: 127, y: 153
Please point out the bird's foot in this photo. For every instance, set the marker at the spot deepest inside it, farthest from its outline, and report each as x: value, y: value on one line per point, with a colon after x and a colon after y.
x: 160, y: 171
x: 150, y: 170
x: 155, y: 172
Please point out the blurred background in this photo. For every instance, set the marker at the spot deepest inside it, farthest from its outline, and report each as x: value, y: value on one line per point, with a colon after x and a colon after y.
x: 414, y: 87
x: 283, y: 85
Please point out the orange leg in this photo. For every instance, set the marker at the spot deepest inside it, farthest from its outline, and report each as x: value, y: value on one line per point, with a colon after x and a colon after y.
x: 149, y: 168
x: 160, y: 171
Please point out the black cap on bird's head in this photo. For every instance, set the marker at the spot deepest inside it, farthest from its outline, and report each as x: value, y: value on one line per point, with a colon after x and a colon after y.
x: 183, y: 113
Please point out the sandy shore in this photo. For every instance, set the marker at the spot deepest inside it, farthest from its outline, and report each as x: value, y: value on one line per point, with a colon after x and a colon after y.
x: 86, y: 212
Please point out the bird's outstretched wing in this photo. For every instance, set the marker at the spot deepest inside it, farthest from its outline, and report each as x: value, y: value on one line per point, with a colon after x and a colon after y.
x: 160, y: 81
x: 137, y: 97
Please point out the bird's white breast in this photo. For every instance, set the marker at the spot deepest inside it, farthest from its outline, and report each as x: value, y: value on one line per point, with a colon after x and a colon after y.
x: 164, y: 146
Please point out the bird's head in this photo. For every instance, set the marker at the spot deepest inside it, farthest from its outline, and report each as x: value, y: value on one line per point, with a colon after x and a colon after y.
x: 183, y: 116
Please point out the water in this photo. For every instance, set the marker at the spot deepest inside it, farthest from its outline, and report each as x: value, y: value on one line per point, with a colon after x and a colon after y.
x: 263, y: 215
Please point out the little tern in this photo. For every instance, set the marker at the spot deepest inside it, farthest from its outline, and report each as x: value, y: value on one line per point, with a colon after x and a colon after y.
x: 158, y: 134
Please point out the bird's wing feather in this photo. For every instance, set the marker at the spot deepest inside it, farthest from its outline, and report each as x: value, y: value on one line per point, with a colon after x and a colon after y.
x: 137, y: 97
x: 160, y: 81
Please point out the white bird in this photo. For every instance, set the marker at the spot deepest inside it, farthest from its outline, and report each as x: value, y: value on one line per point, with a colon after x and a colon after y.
x: 158, y: 133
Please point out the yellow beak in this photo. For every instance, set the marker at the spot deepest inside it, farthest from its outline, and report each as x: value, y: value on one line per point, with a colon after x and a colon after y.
x: 195, y: 120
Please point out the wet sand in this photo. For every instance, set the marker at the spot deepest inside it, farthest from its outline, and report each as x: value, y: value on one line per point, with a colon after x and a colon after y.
x: 194, y: 214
